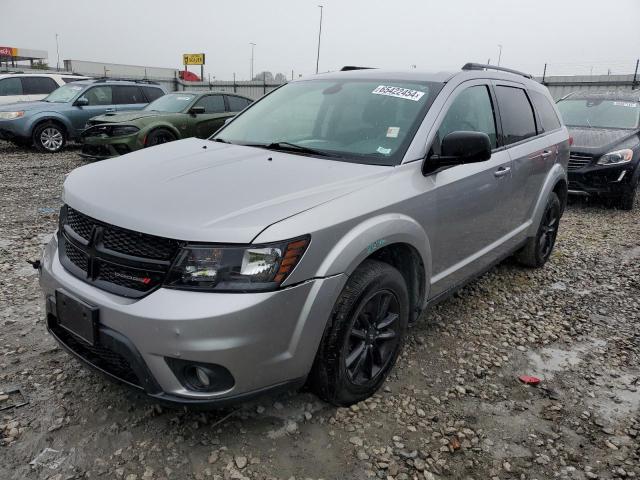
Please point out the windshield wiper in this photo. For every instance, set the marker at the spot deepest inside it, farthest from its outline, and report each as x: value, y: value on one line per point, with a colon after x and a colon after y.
x: 220, y: 140
x: 294, y: 147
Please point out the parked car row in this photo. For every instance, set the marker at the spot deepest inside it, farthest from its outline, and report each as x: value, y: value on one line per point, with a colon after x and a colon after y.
x: 67, y: 112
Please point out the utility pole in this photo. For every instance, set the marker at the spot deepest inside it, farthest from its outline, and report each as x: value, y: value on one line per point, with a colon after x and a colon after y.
x: 635, y: 75
x: 319, y: 38
x: 252, y: 47
x: 499, y: 54
x: 57, y: 54
x: 544, y: 73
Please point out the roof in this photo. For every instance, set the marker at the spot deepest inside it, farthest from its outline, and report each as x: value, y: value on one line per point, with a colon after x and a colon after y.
x: 623, y: 95
x: 420, y: 76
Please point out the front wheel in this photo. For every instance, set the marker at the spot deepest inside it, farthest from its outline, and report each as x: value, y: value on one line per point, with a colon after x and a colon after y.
x: 364, y: 336
x: 538, y: 249
x: 49, y: 137
x: 158, y: 137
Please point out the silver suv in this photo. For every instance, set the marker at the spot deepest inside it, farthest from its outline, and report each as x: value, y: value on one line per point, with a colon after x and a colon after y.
x: 299, y: 242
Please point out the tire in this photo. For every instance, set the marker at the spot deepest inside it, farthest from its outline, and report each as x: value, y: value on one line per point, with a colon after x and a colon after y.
x: 158, y: 137
x: 356, y: 355
x: 628, y: 198
x: 49, y: 137
x: 538, y: 249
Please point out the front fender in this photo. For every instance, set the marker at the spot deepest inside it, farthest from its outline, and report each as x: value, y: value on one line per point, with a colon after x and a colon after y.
x: 371, y: 235
x: 555, y: 175
x: 166, y: 125
x: 47, y: 116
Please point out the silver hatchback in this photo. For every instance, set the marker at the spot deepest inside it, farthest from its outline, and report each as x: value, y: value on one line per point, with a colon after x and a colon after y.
x: 298, y: 242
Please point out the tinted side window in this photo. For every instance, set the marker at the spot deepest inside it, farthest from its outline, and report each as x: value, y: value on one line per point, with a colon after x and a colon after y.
x: 152, y: 93
x: 547, y: 115
x: 38, y: 85
x: 518, y: 122
x: 10, y: 86
x: 99, y: 96
x: 471, y: 110
x: 211, y: 104
x: 237, y: 103
x: 126, y: 94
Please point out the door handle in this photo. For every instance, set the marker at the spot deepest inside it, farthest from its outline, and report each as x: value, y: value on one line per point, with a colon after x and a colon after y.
x: 546, y: 154
x: 501, y: 172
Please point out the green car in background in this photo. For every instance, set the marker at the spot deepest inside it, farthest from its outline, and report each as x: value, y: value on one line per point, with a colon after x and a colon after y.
x: 170, y: 117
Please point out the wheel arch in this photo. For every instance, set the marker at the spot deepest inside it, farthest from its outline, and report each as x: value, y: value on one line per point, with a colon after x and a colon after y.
x: 58, y: 120
x: 556, y: 182
x: 392, y: 238
x: 161, y: 126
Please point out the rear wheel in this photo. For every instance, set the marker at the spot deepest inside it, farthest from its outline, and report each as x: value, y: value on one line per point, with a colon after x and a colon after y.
x: 159, y: 136
x: 49, y: 137
x: 364, y: 337
x: 538, y: 249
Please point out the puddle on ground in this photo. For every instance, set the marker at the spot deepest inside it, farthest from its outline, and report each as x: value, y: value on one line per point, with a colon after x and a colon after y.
x: 550, y: 360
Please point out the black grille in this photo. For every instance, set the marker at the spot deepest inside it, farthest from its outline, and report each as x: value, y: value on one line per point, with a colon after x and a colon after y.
x: 76, y: 256
x: 113, y: 258
x: 100, y: 356
x: 579, y: 160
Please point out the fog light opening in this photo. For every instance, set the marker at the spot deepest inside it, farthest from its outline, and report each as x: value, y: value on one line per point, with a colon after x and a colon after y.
x: 203, y: 377
x: 199, y: 378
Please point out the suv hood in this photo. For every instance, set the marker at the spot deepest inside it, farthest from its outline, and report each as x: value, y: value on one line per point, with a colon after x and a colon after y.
x: 120, y: 117
x: 198, y: 190
x: 28, y: 106
x: 598, y: 140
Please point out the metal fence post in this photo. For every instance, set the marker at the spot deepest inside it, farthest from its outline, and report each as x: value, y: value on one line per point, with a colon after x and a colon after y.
x: 635, y: 76
x: 235, y: 87
x: 264, y: 83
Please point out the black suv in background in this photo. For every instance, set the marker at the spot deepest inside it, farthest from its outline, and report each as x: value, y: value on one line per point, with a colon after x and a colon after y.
x: 605, y: 155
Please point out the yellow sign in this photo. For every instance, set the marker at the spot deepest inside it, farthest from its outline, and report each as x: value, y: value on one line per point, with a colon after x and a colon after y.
x: 193, y: 59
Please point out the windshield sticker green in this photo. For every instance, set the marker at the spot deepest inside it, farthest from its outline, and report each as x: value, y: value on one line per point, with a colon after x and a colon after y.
x: 392, y: 132
x: 75, y: 87
x: 625, y: 104
x: 398, y: 92
x: 384, y: 151
x: 184, y: 98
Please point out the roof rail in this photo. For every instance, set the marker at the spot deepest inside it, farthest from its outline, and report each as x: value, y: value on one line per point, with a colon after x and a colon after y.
x: 348, y: 68
x: 113, y: 79
x: 481, y: 66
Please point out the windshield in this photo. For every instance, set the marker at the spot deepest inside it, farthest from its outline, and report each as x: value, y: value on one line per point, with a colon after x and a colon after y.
x: 172, y: 103
x: 64, y: 94
x: 589, y: 112
x: 370, y: 121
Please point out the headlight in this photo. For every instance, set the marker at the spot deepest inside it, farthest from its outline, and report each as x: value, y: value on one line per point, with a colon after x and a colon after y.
x: 124, y: 130
x: 614, y: 158
x: 10, y: 115
x: 235, y: 269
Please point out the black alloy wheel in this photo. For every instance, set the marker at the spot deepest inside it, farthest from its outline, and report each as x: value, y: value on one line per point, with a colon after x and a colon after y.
x: 373, y: 337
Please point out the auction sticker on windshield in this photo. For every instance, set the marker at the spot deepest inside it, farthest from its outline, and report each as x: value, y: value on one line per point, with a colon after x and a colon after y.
x: 398, y: 92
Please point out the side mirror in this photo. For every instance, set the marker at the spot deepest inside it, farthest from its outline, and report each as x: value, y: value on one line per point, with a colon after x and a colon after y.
x: 196, y: 110
x: 82, y: 102
x: 459, y: 148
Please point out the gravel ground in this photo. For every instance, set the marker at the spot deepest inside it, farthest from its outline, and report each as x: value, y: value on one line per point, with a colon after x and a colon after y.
x: 454, y: 407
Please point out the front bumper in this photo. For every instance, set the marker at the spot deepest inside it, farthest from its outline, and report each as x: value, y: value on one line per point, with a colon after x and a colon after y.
x: 103, y: 147
x: 601, y: 180
x: 265, y: 340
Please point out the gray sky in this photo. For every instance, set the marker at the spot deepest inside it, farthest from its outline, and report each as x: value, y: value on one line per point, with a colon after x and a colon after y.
x: 432, y: 34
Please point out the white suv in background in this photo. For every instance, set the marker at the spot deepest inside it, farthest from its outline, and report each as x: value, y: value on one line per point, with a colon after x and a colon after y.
x: 25, y: 87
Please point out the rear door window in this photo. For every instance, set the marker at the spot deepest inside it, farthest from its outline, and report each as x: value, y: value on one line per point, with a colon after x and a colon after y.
x: 237, y: 103
x: 518, y: 121
x: 38, y: 85
x: 10, y: 86
x: 152, y: 93
x: 211, y: 104
x: 471, y: 111
x: 546, y: 114
x: 127, y: 94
